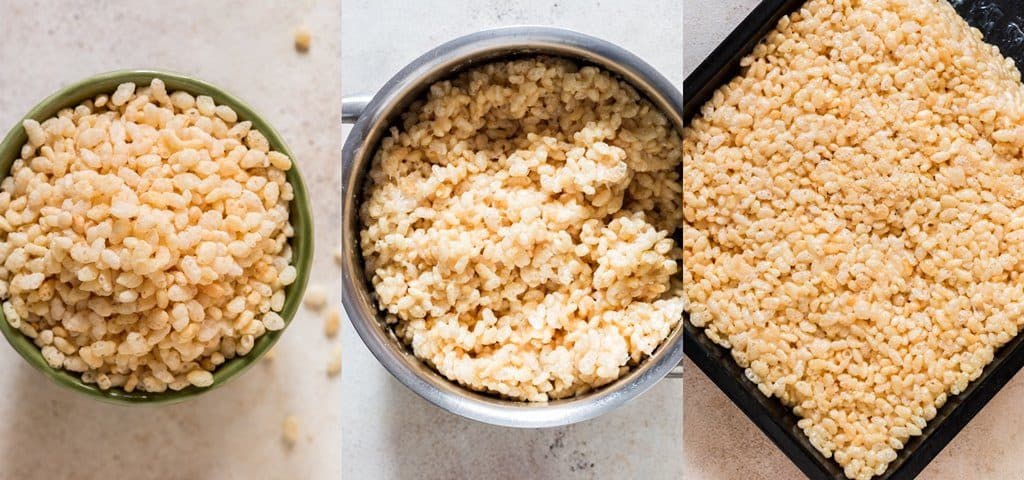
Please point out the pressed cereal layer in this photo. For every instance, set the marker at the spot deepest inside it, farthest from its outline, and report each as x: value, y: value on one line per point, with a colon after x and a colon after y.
x: 517, y: 228
x: 854, y: 218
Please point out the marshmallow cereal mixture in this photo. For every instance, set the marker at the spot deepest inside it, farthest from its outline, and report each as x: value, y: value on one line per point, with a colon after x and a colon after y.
x: 517, y: 228
x: 144, y: 238
x: 854, y: 218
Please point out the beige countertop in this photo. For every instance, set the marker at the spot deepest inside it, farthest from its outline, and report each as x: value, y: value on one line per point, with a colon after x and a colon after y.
x: 722, y: 444
x: 234, y: 432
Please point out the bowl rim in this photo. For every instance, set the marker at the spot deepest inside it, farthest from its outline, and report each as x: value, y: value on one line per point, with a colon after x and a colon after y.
x: 410, y: 81
x: 300, y: 218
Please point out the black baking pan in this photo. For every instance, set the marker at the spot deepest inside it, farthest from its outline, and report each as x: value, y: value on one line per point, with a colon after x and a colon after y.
x: 1002, y: 23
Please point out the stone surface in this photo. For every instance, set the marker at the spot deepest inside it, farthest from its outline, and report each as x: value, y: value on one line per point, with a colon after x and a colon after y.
x: 392, y: 433
x: 722, y: 444
x: 234, y: 432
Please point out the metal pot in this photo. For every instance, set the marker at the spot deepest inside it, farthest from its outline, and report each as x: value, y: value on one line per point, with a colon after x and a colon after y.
x: 372, y: 118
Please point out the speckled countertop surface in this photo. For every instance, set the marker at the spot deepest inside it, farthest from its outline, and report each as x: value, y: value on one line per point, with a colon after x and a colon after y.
x: 392, y: 433
x: 48, y: 432
x: 722, y: 444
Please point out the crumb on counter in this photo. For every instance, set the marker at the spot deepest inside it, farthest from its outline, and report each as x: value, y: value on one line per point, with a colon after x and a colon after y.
x: 316, y: 297
x: 290, y: 431
x: 332, y: 322
x: 303, y: 38
x: 334, y: 362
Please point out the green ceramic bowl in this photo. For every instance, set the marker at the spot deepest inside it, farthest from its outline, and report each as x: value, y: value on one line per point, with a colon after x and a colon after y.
x: 302, y: 242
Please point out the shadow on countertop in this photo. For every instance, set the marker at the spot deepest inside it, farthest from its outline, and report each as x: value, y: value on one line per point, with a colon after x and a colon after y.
x: 428, y: 443
x: 53, y: 432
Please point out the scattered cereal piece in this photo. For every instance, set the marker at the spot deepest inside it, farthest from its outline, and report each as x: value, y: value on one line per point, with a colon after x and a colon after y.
x: 332, y: 321
x: 337, y: 255
x: 303, y: 38
x: 316, y: 297
x: 334, y: 362
x: 290, y: 431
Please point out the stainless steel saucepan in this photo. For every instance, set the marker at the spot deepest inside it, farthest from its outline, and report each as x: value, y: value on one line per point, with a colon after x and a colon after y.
x: 373, y: 116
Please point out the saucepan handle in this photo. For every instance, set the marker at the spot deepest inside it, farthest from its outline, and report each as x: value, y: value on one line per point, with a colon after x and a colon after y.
x: 352, y: 107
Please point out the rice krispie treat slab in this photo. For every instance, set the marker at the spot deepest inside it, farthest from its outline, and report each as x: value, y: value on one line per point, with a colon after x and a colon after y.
x: 851, y: 218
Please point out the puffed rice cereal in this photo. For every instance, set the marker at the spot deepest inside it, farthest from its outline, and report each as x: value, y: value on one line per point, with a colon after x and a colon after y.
x: 854, y: 218
x: 332, y: 322
x: 303, y: 38
x: 290, y: 431
x: 334, y: 362
x: 517, y: 228
x: 144, y: 238
x: 316, y: 297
